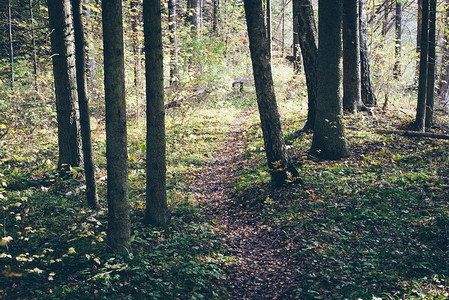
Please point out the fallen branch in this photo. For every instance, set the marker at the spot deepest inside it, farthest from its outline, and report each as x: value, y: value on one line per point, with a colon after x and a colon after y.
x: 415, y: 133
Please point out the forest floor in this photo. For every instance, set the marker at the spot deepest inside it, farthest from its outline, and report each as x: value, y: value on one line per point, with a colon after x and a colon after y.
x: 375, y: 224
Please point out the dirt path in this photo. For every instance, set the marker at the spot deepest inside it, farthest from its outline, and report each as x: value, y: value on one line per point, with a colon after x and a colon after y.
x: 264, y: 268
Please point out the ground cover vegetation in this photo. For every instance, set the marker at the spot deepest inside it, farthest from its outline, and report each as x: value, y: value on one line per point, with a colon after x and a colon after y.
x: 372, y: 225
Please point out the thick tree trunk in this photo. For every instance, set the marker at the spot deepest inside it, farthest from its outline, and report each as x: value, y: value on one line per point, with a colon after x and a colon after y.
x: 368, y: 96
x: 304, y: 21
x: 156, y: 212
x: 268, y: 27
x: 81, y: 82
x: 398, y: 39
x: 422, y: 85
x: 119, y: 224
x: 329, y: 140
x: 277, y: 158
x: 62, y: 46
x: 172, y: 24
x: 431, y: 64
x: 352, y: 94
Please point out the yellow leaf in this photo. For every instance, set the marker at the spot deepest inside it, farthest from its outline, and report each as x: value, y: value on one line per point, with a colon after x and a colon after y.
x: 5, y: 240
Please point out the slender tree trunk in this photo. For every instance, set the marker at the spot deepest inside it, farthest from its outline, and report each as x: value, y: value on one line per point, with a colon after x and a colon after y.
x: 304, y: 21
x: 352, y: 93
x: 11, y: 45
x: 119, y: 224
x: 277, y: 158
x: 81, y: 82
x: 215, y: 17
x: 62, y: 46
x: 398, y: 39
x: 443, y: 82
x: 268, y: 26
x: 156, y: 212
x: 135, y: 22
x: 296, y: 45
x: 368, y: 96
x: 431, y: 64
x: 419, y: 34
x: 91, y: 72
x: 329, y: 140
x: 196, y: 15
x: 172, y: 24
x: 422, y: 86
x: 33, y: 45
x: 283, y: 28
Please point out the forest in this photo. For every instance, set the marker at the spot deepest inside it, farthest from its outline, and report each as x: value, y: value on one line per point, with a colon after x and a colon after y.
x: 224, y: 149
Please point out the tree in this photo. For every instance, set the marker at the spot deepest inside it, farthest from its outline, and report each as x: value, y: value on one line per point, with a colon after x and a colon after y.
x: 81, y: 83
x: 119, y: 232
x: 443, y: 81
x: 216, y: 4
x: 398, y: 39
x: 195, y: 16
x: 277, y: 158
x: 352, y: 89
x: 329, y: 140
x: 33, y: 44
x: 172, y: 24
x: 62, y: 47
x: 304, y: 22
x: 431, y: 64
x: 268, y: 26
x: 156, y: 211
x: 136, y: 48
x: 423, y: 68
x: 368, y: 96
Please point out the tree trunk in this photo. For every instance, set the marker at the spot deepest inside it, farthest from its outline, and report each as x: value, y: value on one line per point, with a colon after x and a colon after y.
x: 368, y: 96
x: 431, y: 64
x: 352, y: 94
x: 419, y: 34
x: 172, y: 24
x: 119, y: 232
x: 81, y: 83
x: 215, y: 17
x: 329, y: 140
x: 277, y: 158
x: 268, y: 28
x: 33, y: 45
x: 156, y: 211
x: 11, y: 45
x: 422, y: 86
x: 304, y: 21
x: 135, y: 24
x: 196, y: 15
x: 443, y: 82
x: 296, y: 45
x: 91, y: 72
x: 62, y: 46
x: 398, y: 39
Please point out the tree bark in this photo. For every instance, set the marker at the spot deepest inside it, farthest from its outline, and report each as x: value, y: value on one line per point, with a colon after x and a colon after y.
x: 278, y: 161
x: 33, y: 45
x: 62, y: 46
x: 81, y: 82
x: 368, y: 96
x: 91, y: 67
x: 431, y: 65
x: 443, y: 81
x: 304, y: 21
x: 296, y: 46
x: 119, y: 224
x: 329, y: 140
x: 352, y: 90
x: 215, y: 17
x: 422, y: 85
x: 156, y: 211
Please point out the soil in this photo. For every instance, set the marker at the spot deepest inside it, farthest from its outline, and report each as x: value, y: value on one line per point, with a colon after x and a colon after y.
x: 265, y: 267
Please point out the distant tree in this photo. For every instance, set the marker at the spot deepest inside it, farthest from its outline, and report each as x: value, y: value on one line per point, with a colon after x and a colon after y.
x: 296, y: 47
x: 368, y: 96
x: 172, y: 24
x: 156, y: 211
x: 443, y: 81
x: 398, y: 39
x: 81, y: 82
x: 304, y: 22
x: 329, y: 140
x: 136, y: 48
x: 216, y: 4
x: 195, y: 15
x: 277, y: 158
x: 33, y: 44
x: 431, y: 64
x: 62, y: 47
x: 119, y: 224
x: 11, y: 44
x: 423, y: 68
x: 352, y: 89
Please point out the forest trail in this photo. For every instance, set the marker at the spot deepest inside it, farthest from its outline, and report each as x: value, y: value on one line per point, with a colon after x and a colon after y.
x: 264, y: 267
